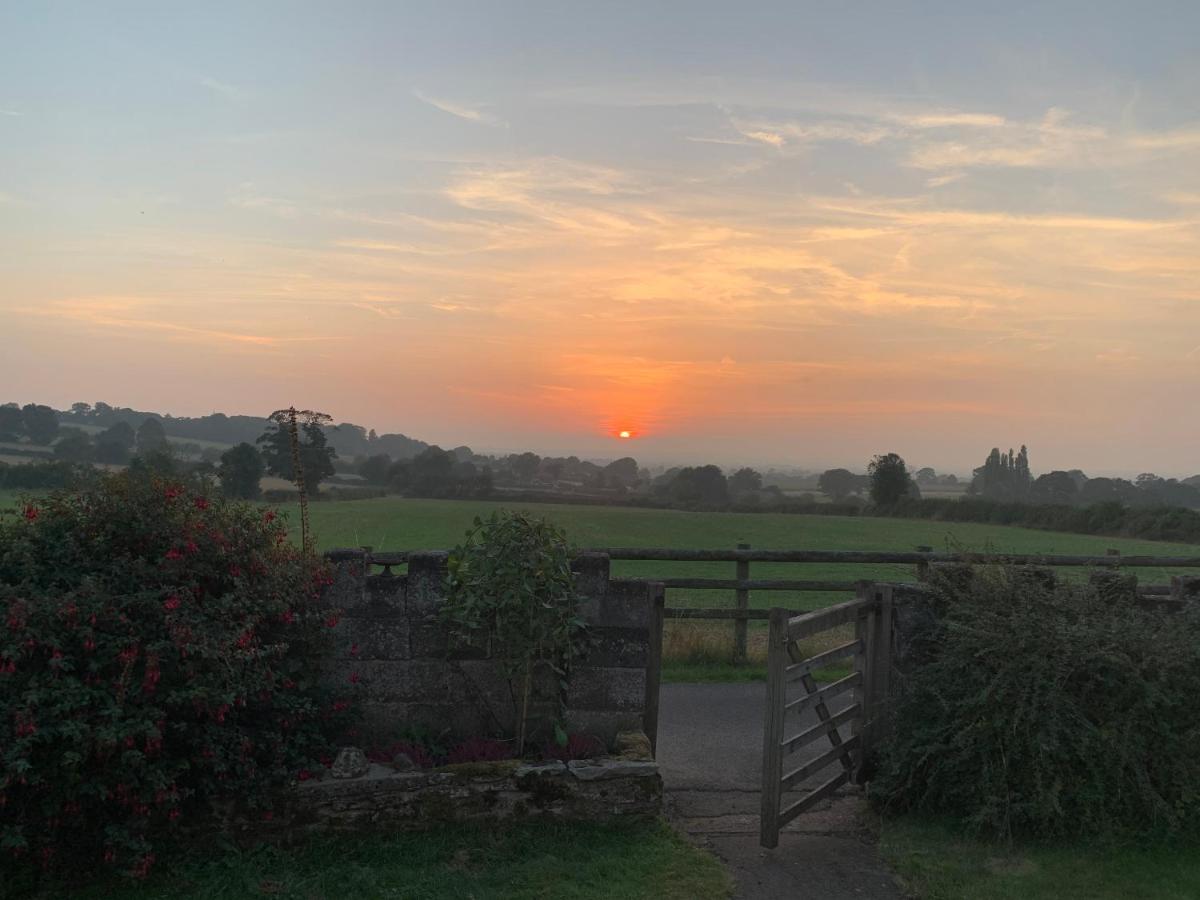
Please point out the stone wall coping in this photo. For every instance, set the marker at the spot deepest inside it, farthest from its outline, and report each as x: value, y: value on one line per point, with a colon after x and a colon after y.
x: 377, y: 776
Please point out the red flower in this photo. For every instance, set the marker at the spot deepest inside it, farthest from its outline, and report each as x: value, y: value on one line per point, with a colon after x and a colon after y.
x: 354, y: 649
x: 174, y: 554
x: 173, y: 815
x: 332, y: 622
x: 269, y: 515
x: 201, y: 503
x: 30, y: 512
x: 303, y: 775
x: 172, y: 492
x: 171, y: 602
x: 192, y: 547
x: 355, y: 678
x: 288, y: 617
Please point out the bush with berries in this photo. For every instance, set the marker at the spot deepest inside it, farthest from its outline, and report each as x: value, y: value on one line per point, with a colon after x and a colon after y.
x: 157, y: 650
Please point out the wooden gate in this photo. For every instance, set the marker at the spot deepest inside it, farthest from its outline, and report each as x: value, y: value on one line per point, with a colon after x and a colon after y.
x: 792, y: 690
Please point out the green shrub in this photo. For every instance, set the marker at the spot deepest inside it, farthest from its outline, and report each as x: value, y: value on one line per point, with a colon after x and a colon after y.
x: 510, y: 593
x: 155, y: 648
x: 1048, y: 710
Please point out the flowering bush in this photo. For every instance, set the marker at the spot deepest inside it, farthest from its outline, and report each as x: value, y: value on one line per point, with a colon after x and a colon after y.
x: 156, y: 650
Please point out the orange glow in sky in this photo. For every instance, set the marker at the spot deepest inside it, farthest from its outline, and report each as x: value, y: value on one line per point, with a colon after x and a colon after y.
x: 519, y: 231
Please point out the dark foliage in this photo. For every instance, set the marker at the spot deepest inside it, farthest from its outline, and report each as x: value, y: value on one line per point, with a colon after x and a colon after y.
x: 155, y: 654
x: 40, y: 422
x: 890, y: 481
x: 241, y: 472
x: 1048, y: 710
x: 316, y: 456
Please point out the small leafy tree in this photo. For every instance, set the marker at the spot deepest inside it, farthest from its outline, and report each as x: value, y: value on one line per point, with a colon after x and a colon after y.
x: 510, y: 592
x: 241, y: 471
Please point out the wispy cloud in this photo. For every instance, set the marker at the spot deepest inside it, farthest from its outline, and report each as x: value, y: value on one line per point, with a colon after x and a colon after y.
x: 226, y: 90
x: 10, y: 112
x: 460, y: 110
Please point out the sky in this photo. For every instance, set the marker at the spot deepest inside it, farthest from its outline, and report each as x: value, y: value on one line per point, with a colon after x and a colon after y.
x: 776, y: 233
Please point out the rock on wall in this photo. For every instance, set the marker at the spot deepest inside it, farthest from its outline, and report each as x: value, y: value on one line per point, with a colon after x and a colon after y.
x: 391, y: 644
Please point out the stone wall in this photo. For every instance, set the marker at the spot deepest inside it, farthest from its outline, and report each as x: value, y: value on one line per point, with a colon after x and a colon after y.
x: 390, y: 643
x: 601, y: 790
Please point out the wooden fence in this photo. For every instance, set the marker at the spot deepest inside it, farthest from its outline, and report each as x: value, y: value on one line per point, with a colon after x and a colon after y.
x: 922, y: 559
x: 742, y: 584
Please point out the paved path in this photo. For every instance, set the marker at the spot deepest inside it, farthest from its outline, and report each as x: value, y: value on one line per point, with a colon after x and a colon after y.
x: 710, y: 754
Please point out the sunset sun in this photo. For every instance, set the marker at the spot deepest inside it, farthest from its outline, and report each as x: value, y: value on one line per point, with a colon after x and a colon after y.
x: 625, y: 434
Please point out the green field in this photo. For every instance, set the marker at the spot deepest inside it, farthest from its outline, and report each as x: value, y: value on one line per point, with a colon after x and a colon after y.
x: 401, y: 524
x: 395, y: 523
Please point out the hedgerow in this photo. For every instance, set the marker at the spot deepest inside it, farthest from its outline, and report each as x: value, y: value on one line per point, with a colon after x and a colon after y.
x: 155, y: 654
x: 1048, y: 710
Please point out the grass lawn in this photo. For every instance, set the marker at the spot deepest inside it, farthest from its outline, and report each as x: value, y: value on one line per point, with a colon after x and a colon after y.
x: 579, y: 862
x: 394, y: 523
x: 937, y: 862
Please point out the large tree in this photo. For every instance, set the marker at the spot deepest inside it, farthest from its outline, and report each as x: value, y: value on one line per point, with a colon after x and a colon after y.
x: 74, y: 446
x: 838, y: 484
x: 151, y: 438
x: 622, y: 472
x: 12, y: 423
x: 1056, y: 487
x: 1003, y: 476
x: 316, y: 456
x: 703, y: 486
x: 41, y: 423
x: 114, y: 443
x: 890, y: 481
x: 745, y: 479
x: 241, y: 471
x: 374, y: 469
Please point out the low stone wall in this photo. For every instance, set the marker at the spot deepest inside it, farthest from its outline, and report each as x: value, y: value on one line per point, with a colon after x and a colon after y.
x: 391, y: 644
x: 581, y: 791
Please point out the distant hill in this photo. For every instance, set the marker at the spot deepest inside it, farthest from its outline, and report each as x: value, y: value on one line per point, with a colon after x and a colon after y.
x: 348, y: 439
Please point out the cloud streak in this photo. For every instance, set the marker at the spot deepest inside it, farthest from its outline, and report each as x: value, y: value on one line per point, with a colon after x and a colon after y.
x: 459, y: 110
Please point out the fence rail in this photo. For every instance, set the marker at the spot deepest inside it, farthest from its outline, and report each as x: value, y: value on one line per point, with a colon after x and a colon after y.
x: 742, y: 556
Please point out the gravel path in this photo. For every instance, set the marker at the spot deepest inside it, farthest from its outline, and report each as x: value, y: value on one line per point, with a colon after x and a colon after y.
x: 710, y: 755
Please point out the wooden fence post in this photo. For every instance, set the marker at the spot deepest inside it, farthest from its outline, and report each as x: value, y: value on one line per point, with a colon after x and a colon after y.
x: 772, y: 767
x: 743, y: 603
x: 654, y: 665
x: 879, y: 666
x: 864, y: 632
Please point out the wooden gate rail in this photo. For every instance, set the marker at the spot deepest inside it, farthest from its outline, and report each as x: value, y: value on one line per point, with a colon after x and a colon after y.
x: 870, y: 611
